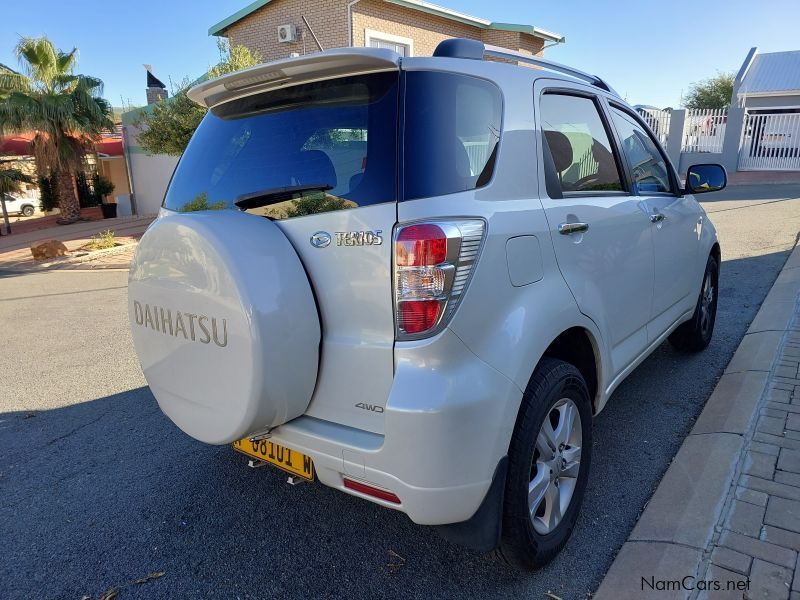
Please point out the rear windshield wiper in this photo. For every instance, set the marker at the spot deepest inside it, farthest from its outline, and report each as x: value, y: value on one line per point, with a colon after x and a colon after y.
x: 277, y: 194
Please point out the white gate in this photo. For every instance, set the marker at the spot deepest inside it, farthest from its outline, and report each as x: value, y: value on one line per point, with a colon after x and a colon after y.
x: 704, y: 130
x: 770, y: 142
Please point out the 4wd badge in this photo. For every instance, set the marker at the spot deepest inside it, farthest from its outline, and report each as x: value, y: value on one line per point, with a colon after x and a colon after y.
x: 371, y: 407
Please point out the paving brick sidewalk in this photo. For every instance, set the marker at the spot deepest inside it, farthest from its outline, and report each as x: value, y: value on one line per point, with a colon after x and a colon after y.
x: 725, y: 519
x: 760, y: 533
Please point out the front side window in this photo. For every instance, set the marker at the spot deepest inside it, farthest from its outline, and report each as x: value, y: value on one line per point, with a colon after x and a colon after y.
x: 452, y: 131
x: 579, y: 144
x: 305, y: 149
x: 648, y: 168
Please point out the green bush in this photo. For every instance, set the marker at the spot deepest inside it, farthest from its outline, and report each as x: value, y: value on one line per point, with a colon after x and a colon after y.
x: 47, y: 195
x: 103, y: 241
x: 102, y: 186
x: 86, y: 194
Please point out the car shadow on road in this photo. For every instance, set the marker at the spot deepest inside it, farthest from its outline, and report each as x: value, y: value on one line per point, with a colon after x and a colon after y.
x: 99, y: 494
x: 102, y: 493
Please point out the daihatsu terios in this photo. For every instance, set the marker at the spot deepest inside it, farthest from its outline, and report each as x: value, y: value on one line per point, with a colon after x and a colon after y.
x: 417, y: 280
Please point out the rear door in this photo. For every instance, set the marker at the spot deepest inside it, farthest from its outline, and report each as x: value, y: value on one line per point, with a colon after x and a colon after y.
x: 600, y: 230
x: 675, y: 221
x: 318, y: 158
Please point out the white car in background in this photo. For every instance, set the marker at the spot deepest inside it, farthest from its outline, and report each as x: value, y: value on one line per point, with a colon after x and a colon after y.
x: 19, y: 205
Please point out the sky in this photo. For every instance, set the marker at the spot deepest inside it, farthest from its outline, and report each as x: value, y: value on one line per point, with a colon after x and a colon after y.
x: 650, y: 52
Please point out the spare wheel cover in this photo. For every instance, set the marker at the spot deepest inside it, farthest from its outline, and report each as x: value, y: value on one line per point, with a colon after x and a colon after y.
x: 224, y: 322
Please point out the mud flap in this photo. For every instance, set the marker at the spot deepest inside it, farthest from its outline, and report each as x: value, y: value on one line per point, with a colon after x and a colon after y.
x: 482, y: 531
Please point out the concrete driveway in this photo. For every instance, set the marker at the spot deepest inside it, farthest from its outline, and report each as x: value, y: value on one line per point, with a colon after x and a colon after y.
x: 99, y: 489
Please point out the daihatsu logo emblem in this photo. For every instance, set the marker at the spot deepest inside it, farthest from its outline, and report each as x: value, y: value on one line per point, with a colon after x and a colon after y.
x: 321, y: 239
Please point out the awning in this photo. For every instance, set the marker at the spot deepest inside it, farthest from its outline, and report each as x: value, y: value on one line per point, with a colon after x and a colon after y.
x: 17, y: 145
x: 20, y: 145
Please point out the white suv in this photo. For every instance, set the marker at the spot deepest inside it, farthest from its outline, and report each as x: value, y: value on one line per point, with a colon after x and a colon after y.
x: 417, y: 280
x: 16, y: 205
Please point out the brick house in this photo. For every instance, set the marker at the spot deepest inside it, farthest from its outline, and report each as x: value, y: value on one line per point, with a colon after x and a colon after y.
x: 410, y: 27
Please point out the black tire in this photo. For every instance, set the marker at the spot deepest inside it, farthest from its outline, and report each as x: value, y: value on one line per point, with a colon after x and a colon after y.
x: 522, y: 546
x: 695, y: 335
x: 27, y: 210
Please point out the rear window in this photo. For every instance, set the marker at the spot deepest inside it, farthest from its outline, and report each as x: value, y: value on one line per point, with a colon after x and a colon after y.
x: 333, y: 145
x: 301, y: 150
x: 452, y: 130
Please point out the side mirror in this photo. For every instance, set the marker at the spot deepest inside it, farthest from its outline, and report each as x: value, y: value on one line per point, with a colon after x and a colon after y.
x: 705, y: 178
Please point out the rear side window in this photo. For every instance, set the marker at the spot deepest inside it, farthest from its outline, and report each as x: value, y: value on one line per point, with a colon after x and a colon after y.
x: 579, y: 144
x: 305, y: 149
x: 648, y: 167
x: 452, y: 131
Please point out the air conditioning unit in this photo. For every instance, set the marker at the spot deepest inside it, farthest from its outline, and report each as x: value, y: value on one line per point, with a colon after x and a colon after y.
x: 287, y: 33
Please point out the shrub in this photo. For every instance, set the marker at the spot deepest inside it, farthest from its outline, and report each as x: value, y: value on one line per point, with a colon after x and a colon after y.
x: 102, y: 186
x: 86, y: 195
x: 47, y: 195
x: 102, y: 241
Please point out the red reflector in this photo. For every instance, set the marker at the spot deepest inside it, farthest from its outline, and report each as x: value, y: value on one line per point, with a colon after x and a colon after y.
x: 418, y: 315
x: 420, y: 245
x: 371, y: 491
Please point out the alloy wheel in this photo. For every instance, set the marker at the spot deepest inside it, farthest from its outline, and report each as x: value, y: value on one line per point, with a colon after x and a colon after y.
x: 556, y: 464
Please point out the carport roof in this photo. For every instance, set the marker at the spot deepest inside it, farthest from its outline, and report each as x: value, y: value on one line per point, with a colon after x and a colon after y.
x: 771, y: 73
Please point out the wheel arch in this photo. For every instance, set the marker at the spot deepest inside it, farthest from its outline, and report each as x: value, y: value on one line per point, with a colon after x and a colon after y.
x: 716, y: 252
x: 578, y: 347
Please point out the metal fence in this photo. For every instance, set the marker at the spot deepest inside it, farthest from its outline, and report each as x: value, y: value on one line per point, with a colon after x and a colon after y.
x: 771, y: 142
x: 658, y: 121
x: 704, y: 130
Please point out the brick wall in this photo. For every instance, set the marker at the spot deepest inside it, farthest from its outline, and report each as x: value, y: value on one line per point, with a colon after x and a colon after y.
x: 531, y: 43
x: 426, y: 30
x: 259, y: 30
x: 328, y: 18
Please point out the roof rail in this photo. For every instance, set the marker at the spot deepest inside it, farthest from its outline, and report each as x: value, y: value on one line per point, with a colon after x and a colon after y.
x: 465, y: 48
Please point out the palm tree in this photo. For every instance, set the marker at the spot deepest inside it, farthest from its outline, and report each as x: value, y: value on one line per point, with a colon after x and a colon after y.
x: 65, y: 110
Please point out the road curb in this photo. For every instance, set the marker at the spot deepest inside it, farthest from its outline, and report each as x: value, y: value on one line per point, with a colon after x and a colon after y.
x: 675, y: 534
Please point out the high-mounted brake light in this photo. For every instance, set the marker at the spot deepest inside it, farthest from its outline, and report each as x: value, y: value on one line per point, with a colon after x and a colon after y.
x: 433, y: 263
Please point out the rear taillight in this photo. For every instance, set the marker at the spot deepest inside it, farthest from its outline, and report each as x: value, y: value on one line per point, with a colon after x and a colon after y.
x: 433, y: 263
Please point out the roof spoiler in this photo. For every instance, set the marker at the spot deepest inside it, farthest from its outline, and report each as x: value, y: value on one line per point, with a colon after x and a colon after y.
x: 339, y: 62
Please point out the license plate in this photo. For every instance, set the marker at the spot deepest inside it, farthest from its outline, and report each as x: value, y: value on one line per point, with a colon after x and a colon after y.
x: 290, y: 461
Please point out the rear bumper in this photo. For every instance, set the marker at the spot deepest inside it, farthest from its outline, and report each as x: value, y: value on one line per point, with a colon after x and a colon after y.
x: 448, y: 422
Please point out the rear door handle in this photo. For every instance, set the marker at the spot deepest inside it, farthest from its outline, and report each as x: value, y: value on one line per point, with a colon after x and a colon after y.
x: 657, y: 218
x: 570, y: 228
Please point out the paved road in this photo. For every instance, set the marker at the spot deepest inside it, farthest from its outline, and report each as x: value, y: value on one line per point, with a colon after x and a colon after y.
x: 98, y: 489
